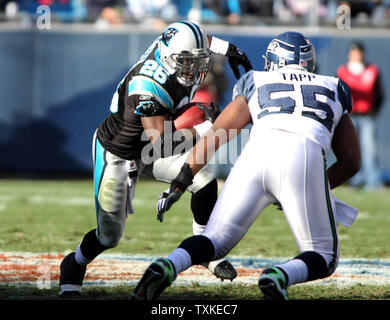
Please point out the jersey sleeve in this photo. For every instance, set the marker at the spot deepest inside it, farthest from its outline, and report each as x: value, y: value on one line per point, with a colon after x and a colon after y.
x: 149, y: 97
x: 245, y: 86
x: 345, y: 98
x: 147, y: 106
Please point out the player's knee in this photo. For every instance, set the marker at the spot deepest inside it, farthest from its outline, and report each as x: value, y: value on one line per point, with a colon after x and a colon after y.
x: 200, y: 249
x: 318, y: 266
x: 110, y: 233
x: 109, y: 241
x: 91, y: 246
x: 203, y: 201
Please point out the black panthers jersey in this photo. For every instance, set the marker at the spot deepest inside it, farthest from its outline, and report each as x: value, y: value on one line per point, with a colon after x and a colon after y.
x: 146, y: 90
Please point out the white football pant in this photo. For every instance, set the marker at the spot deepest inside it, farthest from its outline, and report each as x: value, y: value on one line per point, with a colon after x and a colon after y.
x: 115, y: 191
x: 284, y: 167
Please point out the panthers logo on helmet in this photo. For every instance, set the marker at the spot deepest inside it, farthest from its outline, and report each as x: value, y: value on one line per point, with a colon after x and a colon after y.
x: 168, y: 35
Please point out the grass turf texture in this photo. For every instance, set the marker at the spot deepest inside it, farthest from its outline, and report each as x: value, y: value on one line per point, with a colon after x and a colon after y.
x: 52, y: 216
x: 205, y: 292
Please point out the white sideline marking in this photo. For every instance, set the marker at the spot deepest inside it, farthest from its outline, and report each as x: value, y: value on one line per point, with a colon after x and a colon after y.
x: 22, y: 268
x: 63, y: 201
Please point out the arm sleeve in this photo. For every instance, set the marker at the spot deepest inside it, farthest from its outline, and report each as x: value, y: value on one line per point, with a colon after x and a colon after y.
x: 345, y: 98
x: 147, y: 106
x: 245, y: 86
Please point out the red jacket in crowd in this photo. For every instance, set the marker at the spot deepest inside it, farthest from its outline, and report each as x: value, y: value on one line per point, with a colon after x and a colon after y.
x: 365, y: 88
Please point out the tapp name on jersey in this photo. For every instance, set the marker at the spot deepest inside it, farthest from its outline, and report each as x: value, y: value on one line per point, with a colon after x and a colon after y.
x: 147, y: 90
x: 296, y: 101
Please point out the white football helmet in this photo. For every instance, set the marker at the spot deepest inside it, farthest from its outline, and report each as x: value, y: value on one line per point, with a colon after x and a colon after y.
x: 184, y: 51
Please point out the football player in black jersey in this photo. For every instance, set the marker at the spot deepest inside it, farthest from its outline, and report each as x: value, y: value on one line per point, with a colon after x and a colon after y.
x: 162, y: 81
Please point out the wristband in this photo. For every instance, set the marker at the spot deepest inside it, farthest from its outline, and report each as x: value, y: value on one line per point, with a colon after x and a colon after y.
x: 219, y: 46
x: 183, y: 179
x: 203, y: 127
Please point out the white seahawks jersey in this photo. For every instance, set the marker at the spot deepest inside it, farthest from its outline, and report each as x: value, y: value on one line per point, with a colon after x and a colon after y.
x: 296, y: 101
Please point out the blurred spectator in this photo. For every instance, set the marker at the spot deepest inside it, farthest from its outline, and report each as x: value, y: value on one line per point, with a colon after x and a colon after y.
x: 61, y: 10
x: 3, y: 3
x: 106, y: 11
x: 8, y: 9
x: 262, y: 8
x: 379, y: 11
x: 227, y: 11
x: 159, y: 12
x: 363, y: 13
x: 308, y: 11
x: 210, y: 11
x: 366, y: 88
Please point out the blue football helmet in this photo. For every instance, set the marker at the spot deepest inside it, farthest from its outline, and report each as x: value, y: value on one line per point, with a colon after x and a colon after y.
x: 290, y: 48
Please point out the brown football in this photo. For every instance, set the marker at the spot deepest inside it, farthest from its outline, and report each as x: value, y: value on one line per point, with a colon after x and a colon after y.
x: 189, y: 116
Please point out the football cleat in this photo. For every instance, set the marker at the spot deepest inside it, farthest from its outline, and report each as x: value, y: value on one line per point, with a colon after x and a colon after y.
x: 159, y: 275
x: 273, y: 284
x: 222, y: 269
x: 71, y: 277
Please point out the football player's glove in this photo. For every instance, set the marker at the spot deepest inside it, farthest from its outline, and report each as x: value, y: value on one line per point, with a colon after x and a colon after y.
x: 236, y: 58
x: 235, y: 55
x: 212, y: 113
x: 178, y: 186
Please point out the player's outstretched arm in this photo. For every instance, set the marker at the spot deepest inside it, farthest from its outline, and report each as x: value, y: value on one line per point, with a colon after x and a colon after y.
x: 227, y: 126
x: 346, y: 147
x: 236, y: 56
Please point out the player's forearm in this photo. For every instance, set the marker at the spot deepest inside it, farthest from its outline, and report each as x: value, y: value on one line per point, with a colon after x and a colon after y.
x: 206, y: 147
x: 202, y: 152
x: 340, y: 172
x: 345, y: 145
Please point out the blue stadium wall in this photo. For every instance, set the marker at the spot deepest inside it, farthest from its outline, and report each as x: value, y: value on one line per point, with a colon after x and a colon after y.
x: 57, y: 85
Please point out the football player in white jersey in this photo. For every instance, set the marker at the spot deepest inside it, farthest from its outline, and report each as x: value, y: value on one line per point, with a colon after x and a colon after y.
x: 297, y: 117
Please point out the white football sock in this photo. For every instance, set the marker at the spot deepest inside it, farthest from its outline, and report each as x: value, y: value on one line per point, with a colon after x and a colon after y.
x: 181, y: 260
x: 296, y: 270
x: 197, y: 228
x: 79, y: 257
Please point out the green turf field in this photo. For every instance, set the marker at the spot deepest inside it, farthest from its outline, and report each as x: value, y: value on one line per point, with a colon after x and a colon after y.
x: 52, y: 216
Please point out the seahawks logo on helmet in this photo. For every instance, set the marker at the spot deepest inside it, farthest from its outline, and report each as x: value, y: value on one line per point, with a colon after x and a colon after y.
x: 168, y: 35
x: 272, y: 46
x: 290, y: 48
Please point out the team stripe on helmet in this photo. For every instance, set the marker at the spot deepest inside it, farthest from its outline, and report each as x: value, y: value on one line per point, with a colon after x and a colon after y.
x: 295, y: 53
x: 199, y: 34
x: 195, y: 30
x: 145, y: 86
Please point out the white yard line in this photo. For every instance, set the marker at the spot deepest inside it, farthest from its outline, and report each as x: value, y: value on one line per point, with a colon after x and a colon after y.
x: 58, y: 200
x: 24, y: 268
